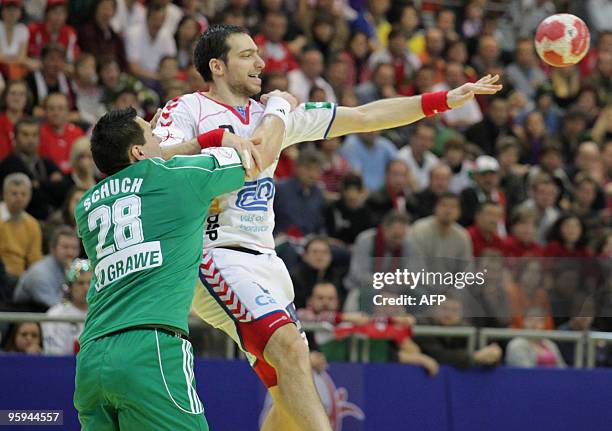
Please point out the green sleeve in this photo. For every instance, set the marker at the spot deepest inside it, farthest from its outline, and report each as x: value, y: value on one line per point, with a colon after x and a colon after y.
x: 210, y: 174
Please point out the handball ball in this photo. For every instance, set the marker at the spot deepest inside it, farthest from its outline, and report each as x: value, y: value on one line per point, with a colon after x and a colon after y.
x: 562, y: 40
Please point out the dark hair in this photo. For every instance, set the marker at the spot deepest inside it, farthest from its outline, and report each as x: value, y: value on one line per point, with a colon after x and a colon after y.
x: 67, y: 215
x: 11, y: 334
x: 316, y: 238
x: 393, y: 217
x: 487, y: 203
x: 352, y: 180
x: 60, y: 231
x: 522, y: 215
x: 213, y: 44
x: 181, y: 22
x: 154, y: 7
x: 113, y: 136
x: 309, y: 156
x: 51, y: 48
x: 25, y: 121
x: 554, y: 234
x: 449, y: 195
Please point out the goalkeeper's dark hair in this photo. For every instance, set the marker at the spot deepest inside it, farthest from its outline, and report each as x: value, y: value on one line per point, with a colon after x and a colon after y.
x: 213, y: 44
x: 112, y: 137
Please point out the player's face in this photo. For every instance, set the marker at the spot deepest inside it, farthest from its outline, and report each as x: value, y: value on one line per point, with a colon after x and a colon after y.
x: 151, y: 146
x: 244, y: 65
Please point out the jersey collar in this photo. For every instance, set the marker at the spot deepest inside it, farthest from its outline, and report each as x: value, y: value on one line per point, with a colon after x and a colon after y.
x: 243, y: 119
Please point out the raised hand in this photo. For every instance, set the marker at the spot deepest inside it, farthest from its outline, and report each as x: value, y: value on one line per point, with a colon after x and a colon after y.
x: 461, y: 95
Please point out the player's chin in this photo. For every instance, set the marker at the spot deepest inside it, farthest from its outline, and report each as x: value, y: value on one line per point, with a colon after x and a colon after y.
x: 253, y: 89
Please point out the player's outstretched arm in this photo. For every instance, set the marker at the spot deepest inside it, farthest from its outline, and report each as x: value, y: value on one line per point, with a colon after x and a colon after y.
x: 400, y: 111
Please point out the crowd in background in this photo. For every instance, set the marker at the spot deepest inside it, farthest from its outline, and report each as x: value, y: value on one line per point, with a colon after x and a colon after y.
x: 519, y: 183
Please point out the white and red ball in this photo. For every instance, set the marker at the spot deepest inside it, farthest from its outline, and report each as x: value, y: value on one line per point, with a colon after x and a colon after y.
x: 562, y: 40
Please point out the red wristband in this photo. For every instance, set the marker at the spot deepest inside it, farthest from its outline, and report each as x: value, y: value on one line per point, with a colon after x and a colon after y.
x: 214, y: 138
x: 434, y: 103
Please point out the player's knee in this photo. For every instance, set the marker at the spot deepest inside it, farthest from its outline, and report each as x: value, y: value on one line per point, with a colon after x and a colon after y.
x: 286, y: 349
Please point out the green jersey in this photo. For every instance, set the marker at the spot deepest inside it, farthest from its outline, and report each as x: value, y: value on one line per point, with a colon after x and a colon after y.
x: 142, y: 229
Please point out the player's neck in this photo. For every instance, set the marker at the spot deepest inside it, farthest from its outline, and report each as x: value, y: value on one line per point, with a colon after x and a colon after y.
x: 225, y: 95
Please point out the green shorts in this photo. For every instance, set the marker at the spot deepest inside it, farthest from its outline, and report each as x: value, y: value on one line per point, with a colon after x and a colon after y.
x: 140, y: 379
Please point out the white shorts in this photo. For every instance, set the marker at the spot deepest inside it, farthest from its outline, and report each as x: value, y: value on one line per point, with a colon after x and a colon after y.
x: 248, y: 297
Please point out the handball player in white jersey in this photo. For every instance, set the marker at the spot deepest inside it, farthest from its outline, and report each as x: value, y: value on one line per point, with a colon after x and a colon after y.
x: 245, y: 288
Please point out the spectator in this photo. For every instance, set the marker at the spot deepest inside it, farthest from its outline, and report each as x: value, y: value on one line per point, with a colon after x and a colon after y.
x: 472, y: 23
x: 316, y: 266
x: 15, y: 101
x: 185, y: 37
x: 485, y: 188
x: 323, y: 37
x: 581, y: 320
x: 148, y: 44
x: 42, y: 285
x: 98, y: 37
x: 382, y: 249
x: 454, y: 155
x: 445, y: 21
x: 522, y: 239
x: 466, y: 115
x: 44, y: 173
x: 606, y: 153
x: 527, y: 14
x: 487, y: 55
x: 444, y: 244
x: 583, y: 205
x: 20, y: 234
x: 600, y: 78
x: 418, y: 156
x: 484, y: 231
x: 299, y: 201
x: 396, y: 194
x: 335, y: 168
x: 369, y: 154
x: 114, y: 82
x: 398, y: 55
x: 533, y: 137
x: 57, y: 134
x: 129, y: 14
x: 24, y: 337
x: 54, y: 30
x: 64, y: 216
x: 83, y: 174
x: 433, y: 56
x: 409, y: 24
x: 551, y: 164
x: 439, y: 180
x: 302, y: 79
x: 587, y: 160
x: 87, y: 91
x: 538, y: 352
x: 348, y: 216
x: 356, y: 55
x: 381, y: 86
x: 573, y: 128
x: 511, y: 174
x: 544, y: 193
x: 524, y: 73
x: 451, y: 350
x: 495, y: 124
x: 567, y: 238
x: 14, y: 36
x: 62, y: 338
x: 51, y: 78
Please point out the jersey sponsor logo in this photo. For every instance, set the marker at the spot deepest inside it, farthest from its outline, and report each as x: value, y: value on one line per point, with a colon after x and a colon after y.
x: 128, y: 261
x: 318, y: 105
x: 212, y: 227
x: 255, y: 195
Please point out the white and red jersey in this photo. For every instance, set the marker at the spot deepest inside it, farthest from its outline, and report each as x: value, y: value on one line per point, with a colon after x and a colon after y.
x: 244, y: 217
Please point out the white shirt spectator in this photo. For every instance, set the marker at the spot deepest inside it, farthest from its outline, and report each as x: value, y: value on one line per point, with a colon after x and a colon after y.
x: 300, y: 85
x: 60, y: 338
x: 174, y: 14
x: 148, y: 52
x: 420, y: 172
x: 21, y: 35
x: 125, y: 18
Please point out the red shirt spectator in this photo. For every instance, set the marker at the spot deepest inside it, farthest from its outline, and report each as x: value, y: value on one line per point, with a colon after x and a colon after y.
x: 515, y: 248
x: 53, y: 30
x: 57, y: 135
x: 275, y: 51
x: 484, y: 232
x: 15, y: 99
x: 557, y: 249
x: 482, y: 242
